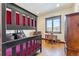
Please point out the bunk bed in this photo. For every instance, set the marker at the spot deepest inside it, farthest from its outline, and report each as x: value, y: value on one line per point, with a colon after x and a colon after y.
x: 17, y: 44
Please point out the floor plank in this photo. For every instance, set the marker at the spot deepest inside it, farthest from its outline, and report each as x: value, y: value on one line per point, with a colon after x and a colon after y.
x: 56, y: 49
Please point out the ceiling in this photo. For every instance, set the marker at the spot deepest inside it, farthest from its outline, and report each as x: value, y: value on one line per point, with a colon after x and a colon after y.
x: 40, y: 8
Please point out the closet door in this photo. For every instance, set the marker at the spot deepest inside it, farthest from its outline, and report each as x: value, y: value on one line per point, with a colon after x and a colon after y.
x: 72, y: 40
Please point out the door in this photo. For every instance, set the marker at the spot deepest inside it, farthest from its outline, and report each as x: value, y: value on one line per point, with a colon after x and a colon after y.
x: 72, y: 40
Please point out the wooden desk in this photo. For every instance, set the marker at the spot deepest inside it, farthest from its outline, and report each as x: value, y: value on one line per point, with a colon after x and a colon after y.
x: 51, y: 38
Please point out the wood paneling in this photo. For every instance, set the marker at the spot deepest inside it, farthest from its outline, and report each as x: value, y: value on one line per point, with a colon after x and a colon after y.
x: 73, y: 34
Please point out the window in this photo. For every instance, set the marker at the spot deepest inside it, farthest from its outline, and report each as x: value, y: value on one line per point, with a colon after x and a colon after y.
x: 53, y: 24
x: 49, y: 25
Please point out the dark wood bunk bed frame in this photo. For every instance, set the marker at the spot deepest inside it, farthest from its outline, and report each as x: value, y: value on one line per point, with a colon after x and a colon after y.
x: 35, y: 41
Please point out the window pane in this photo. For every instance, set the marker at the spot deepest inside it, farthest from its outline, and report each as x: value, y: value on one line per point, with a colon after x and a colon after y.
x: 49, y: 25
x: 56, y: 24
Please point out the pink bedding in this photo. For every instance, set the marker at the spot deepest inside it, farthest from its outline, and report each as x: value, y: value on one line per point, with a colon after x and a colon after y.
x: 9, y: 50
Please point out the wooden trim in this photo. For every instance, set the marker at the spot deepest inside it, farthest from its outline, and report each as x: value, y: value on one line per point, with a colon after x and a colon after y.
x: 62, y: 42
x: 57, y: 39
x: 73, y: 49
x: 72, y: 14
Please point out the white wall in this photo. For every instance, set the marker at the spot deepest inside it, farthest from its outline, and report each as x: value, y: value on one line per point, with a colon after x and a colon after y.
x: 62, y: 12
x: 76, y: 7
x: 28, y: 32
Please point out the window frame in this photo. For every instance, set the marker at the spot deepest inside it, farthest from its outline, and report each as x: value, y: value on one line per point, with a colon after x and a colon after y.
x: 52, y: 24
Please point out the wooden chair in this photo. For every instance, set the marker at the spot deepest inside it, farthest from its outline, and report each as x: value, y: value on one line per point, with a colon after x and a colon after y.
x: 51, y: 38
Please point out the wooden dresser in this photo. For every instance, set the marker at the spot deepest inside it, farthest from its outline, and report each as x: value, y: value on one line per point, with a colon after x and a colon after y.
x: 72, y: 34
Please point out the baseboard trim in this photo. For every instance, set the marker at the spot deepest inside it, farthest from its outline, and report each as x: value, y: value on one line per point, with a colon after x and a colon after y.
x: 62, y: 42
x: 59, y: 41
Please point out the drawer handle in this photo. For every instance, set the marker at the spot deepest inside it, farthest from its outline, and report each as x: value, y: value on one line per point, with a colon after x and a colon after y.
x: 77, y: 24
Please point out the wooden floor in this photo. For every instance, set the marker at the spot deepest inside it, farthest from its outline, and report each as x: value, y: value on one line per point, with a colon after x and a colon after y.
x: 52, y: 49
